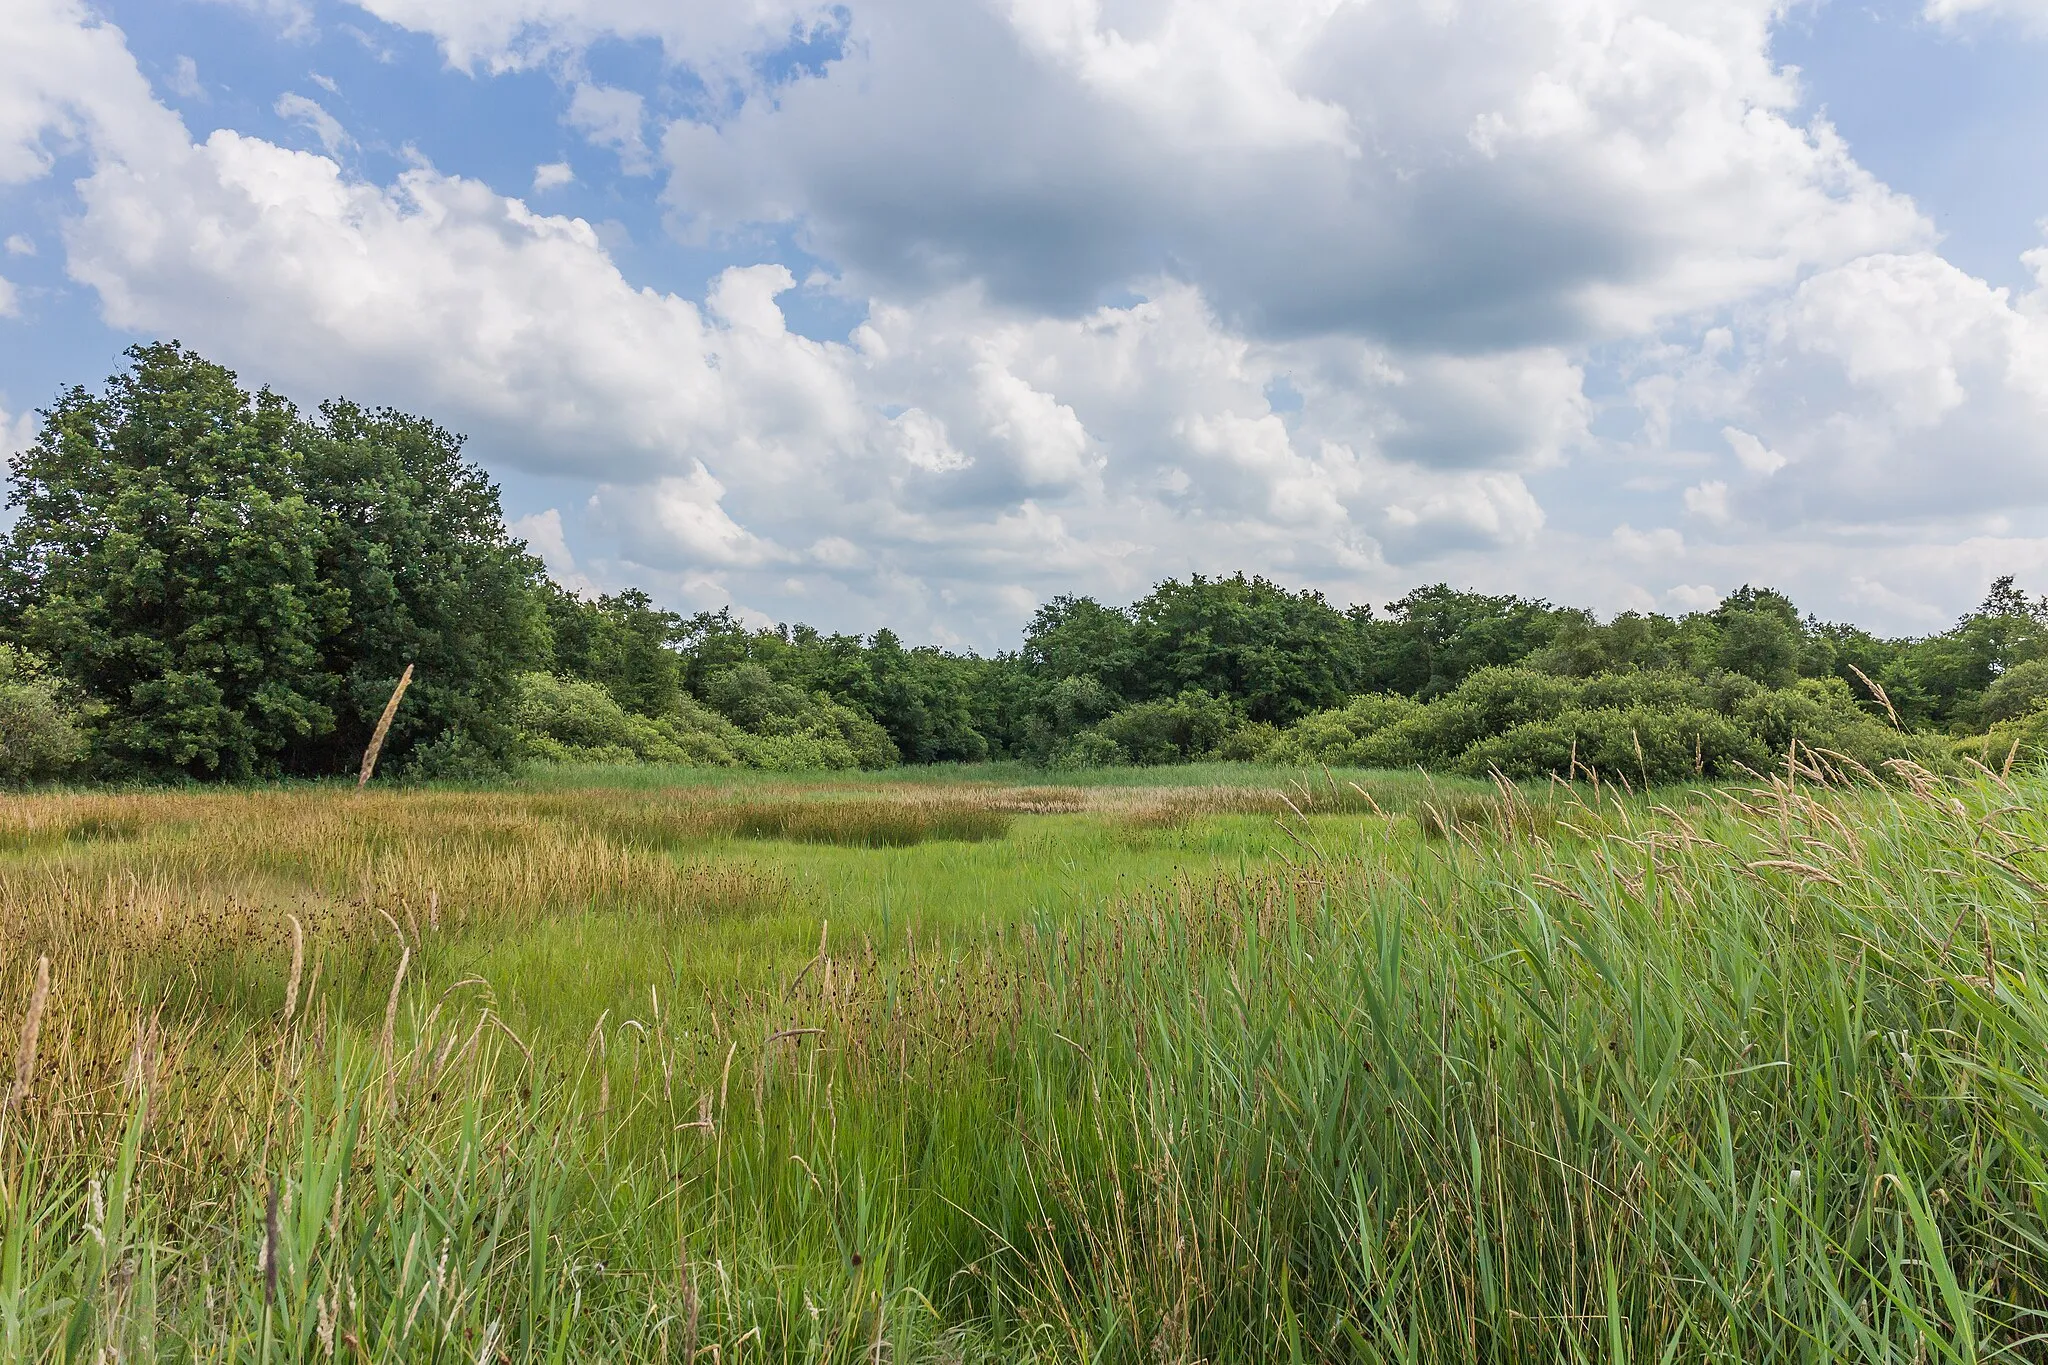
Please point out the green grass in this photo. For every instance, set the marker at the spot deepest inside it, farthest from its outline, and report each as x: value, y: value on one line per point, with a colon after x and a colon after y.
x: 1755, y: 1075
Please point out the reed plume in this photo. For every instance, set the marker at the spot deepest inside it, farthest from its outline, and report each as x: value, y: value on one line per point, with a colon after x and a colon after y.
x: 25, y: 1055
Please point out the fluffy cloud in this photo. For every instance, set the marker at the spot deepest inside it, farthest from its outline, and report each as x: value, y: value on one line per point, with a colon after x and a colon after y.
x: 1471, y: 175
x: 1466, y: 174
x: 17, y: 432
x: 949, y: 436
x: 1894, y: 390
x: 611, y: 117
x: 68, y: 82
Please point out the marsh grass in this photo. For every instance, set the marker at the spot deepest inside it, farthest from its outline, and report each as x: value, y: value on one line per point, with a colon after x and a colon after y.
x: 855, y: 822
x: 1745, y: 1075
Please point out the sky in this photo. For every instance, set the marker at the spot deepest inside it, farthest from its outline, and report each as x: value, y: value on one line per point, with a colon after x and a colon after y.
x: 895, y: 312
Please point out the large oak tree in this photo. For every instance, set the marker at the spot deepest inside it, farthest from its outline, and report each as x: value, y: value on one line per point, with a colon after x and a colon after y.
x: 239, y: 586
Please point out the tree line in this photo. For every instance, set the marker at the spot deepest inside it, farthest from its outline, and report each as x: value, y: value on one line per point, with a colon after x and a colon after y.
x: 202, y: 583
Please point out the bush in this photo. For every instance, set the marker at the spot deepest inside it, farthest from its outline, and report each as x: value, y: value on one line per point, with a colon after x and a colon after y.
x: 807, y: 751
x: 1089, y: 749
x: 1257, y: 742
x: 1490, y: 702
x: 1652, y: 688
x: 2020, y: 740
x: 565, y: 720
x: 2014, y: 693
x: 1338, y: 737
x: 1821, y: 713
x: 453, y: 755
x: 1641, y: 743
x: 1189, y: 726
x: 40, y: 738
x: 808, y: 730
x: 1659, y: 725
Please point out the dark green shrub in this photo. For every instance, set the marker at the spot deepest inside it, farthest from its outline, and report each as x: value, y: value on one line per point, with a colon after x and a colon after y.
x: 1821, y: 713
x: 794, y: 730
x: 1641, y: 743
x: 2019, y: 690
x: 40, y: 738
x: 1189, y: 726
x: 2021, y: 740
x: 1339, y: 736
x: 1647, y: 687
x: 1490, y: 702
x: 1089, y: 749
x: 1255, y: 741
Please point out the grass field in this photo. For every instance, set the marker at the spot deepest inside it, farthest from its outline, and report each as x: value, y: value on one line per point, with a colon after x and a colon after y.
x: 1208, y: 1063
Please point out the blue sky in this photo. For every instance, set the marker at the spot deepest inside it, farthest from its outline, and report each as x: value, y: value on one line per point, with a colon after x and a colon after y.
x: 874, y: 311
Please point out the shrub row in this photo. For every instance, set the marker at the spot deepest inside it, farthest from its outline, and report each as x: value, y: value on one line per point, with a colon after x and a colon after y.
x: 565, y: 720
x: 1654, y: 726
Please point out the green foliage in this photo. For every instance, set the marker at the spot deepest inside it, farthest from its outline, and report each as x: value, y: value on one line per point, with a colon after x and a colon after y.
x: 621, y: 643
x: 1078, y: 637
x: 166, y: 560
x: 239, y: 588
x: 797, y: 731
x: 1187, y: 727
x: 2014, y: 693
x: 1278, y: 654
x: 2022, y: 739
x: 1640, y: 743
x: 1340, y: 737
x: 1255, y: 741
x: 1657, y: 726
x: 40, y: 736
x: 921, y: 698
x: 759, y: 724
x: 1061, y: 712
x: 1439, y: 637
x: 1759, y: 637
x: 928, y: 703
x: 565, y: 720
x: 1940, y: 679
x: 415, y: 541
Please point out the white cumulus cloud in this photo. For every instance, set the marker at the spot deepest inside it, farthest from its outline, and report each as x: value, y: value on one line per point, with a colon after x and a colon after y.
x: 611, y: 117
x: 1890, y: 390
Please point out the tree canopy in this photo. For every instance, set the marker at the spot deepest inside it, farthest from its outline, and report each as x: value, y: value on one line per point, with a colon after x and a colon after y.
x: 240, y: 586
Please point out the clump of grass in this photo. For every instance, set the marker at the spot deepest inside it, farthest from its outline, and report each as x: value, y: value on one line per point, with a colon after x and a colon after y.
x: 1508, y: 815
x: 864, y: 824
x: 1043, y: 800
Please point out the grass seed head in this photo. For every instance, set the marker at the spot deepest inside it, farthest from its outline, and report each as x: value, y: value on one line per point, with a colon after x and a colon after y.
x: 31, y: 1028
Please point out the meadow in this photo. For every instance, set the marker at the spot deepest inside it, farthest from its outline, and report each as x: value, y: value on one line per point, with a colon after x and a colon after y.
x: 1208, y: 1063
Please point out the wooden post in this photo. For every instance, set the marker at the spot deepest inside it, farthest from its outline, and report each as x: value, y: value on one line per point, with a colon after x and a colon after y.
x: 383, y: 728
